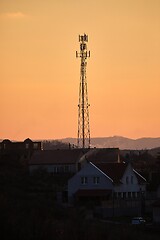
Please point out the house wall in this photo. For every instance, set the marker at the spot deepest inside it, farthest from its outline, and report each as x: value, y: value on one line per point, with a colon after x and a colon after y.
x: 90, y: 172
x: 56, y: 168
x: 130, y: 184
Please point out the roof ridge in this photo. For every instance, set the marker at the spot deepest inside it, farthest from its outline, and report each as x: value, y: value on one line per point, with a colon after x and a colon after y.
x: 101, y: 171
x: 139, y: 175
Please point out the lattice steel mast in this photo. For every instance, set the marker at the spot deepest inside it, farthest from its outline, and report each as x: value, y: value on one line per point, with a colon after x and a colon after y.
x: 83, y: 139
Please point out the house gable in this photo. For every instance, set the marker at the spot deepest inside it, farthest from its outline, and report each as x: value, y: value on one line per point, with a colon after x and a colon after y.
x: 130, y: 182
x: 89, y: 177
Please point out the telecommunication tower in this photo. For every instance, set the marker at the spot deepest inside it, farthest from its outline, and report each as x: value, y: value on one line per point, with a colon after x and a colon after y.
x: 83, y: 140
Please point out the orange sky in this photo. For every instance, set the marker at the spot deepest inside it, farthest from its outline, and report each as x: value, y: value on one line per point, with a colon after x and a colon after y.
x: 39, y: 76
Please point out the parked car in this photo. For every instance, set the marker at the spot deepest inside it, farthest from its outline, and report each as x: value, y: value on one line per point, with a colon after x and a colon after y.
x: 138, y: 221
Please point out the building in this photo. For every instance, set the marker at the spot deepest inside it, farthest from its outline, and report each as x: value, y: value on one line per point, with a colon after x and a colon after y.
x: 56, y: 161
x: 19, y: 150
x: 107, y: 184
x: 71, y: 160
x: 28, y: 145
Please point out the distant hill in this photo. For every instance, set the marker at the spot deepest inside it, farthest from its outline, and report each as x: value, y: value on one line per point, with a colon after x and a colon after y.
x: 120, y: 142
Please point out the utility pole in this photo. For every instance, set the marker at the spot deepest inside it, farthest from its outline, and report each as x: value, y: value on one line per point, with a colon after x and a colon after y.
x: 83, y: 140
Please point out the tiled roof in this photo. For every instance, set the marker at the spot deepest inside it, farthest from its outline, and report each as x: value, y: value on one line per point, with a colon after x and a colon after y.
x: 63, y: 156
x: 102, y: 155
x: 93, y: 192
x: 113, y: 170
x: 116, y: 171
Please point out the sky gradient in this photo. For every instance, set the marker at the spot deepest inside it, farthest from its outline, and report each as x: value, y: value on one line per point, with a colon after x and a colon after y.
x: 39, y: 76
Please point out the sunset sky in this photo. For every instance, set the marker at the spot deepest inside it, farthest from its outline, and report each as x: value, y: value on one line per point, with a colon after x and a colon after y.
x: 39, y: 73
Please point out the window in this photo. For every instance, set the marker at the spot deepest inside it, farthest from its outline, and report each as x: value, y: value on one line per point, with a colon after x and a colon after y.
x: 127, y: 180
x: 56, y: 169
x: 96, y: 180
x: 84, y: 180
x: 27, y: 145
x: 124, y: 195
x: 35, y: 145
x: 129, y: 194
x: 119, y: 195
x: 138, y: 194
x: 133, y: 194
x: 66, y: 168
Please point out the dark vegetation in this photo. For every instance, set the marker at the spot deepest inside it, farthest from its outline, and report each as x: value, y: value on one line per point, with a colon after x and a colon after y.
x: 29, y: 210
x: 55, y: 144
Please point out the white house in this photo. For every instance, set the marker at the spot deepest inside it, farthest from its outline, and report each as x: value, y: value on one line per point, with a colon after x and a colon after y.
x: 102, y: 181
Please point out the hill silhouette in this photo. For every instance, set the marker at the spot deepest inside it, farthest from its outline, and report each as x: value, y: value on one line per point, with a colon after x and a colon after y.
x: 120, y: 142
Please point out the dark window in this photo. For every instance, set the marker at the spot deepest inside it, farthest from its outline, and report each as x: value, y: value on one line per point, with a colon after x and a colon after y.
x: 138, y: 194
x: 27, y: 145
x: 35, y: 145
x: 133, y: 194
x: 119, y: 195
x: 129, y: 194
x: 56, y: 170
x: 66, y: 168
x: 96, y: 180
x: 124, y: 195
x: 84, y: 180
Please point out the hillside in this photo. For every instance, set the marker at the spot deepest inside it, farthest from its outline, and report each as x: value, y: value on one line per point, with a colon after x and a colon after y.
x: 120, y: 142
